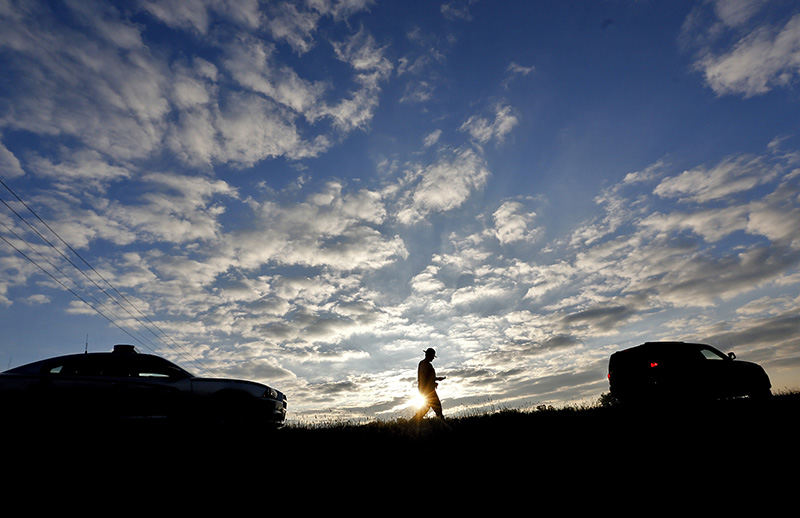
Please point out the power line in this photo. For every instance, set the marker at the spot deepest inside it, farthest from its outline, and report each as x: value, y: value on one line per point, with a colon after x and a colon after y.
x: 62, y: 255
x: 23, y: 254
x: 59, y: 270
x: 79, y: 256
x: 36, y: 231
x: 126, y: 299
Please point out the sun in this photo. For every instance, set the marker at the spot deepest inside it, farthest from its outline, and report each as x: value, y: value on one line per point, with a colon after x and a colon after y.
x: 416, y: 401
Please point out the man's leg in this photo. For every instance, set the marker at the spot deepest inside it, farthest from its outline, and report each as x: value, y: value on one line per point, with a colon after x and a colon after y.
x: 435, y: 404
x: 422, y: 411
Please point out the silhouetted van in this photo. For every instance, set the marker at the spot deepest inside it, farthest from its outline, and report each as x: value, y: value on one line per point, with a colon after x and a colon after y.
x: 125, y: 383
x: 682, y: 371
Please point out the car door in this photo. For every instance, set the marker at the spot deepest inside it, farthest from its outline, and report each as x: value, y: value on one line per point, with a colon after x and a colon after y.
x: 714, y: 373
x: 155, y: 388
x: 84, y: 386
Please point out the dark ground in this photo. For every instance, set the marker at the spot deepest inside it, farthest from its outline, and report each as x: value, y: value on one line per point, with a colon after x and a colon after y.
x: 726, y: 450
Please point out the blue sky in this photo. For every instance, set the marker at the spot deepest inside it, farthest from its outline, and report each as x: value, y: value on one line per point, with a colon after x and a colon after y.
x: 310, y: 193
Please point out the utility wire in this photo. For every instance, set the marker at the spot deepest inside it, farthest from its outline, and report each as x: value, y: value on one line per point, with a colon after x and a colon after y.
x: 23, y: 254
x: 9, y: 189
x: 30, y: 209
x: 59, y: 270
x: 65, y: 258
x: 36, y: 231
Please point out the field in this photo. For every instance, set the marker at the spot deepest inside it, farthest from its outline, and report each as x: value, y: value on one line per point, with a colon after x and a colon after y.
x: 586, y: 432
x: 741, y: 442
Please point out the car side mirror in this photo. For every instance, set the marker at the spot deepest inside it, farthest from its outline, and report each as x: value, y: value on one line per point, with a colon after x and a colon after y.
x: 731, y: 356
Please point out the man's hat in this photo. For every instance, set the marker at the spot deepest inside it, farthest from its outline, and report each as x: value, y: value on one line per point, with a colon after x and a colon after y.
x: 430, y: 351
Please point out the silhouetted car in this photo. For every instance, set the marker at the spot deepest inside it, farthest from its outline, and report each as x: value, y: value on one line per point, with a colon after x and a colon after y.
x: 128, y: 384
x: 682, y: 371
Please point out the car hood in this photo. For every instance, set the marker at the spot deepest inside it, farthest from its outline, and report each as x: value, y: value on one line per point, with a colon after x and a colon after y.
x: 229, y: 381
x: 747, y: 365
x: 215, y: 384
x: 753, y: 369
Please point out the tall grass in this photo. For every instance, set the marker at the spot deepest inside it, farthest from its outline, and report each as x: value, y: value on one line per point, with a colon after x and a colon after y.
x: 605, y: 407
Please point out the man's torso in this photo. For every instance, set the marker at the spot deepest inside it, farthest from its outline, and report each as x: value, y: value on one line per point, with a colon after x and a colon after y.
x: 426, y: 376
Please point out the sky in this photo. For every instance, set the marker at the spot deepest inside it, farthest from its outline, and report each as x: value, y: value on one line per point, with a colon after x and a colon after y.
x: 308, y: 194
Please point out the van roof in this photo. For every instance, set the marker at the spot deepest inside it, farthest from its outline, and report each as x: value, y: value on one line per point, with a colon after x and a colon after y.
x: 651, y: 346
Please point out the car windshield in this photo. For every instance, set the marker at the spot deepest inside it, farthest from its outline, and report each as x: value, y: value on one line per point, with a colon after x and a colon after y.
x: 154, y: 367
x: 711, y: 354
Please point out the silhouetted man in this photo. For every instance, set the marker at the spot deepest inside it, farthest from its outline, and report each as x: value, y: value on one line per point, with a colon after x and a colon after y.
x: 426, y: 383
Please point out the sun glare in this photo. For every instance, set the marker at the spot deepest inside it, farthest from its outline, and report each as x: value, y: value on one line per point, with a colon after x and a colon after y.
x: 417, y: 401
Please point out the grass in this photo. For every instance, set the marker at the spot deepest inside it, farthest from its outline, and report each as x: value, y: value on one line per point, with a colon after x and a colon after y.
x: 604, y: 420
x: 536, y: 451
x: 605, y: 407
x: 553, y: 448
x: 544, y: 435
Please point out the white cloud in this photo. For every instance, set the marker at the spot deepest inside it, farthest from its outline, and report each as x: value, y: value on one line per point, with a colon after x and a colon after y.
x: 79, y: 170
x: 762, y: 58
x: 432, y: 138
x: 361, y: 51
x: 700, y: 279
x: 730, y: 176
x: 649, y: 173
x: 512, y: 223
x: 457, y: 9
x: 421, y: 68
x: 774, y: 216
x: 484, y: 130
x: 80, y: 225
x: 542, y: 279
x: 656, y: 258
x: 444, y: 185
x: 426, y: 281
x: 734, y: 13
x: 250, y: 63
x: 516, y: 69
x: 122, y: 97
x: 777, y: 215
x: 104, y: 19
x: 16, y: 271
x: 77, y: 307
x: 36, y: 299
x: 190, y: 14
x: 711, y: 224
x: 112, y: 97
x: 194, y: 136
x: 189, y: 92
x: 330, y: 228
x: 340, y: 9
x: 169, y: 208
x: 417, y: 92
x: 175, y: 209
x: 197, y: 14
x: 765, y: 306
x: 414, y: 66
x: 9, y: 164
x: 296, y: 26
x: 251, y: 128
x: 372, y: 68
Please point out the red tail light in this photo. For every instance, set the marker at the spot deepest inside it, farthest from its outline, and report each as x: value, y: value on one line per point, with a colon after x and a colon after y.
x: 654, y: 364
